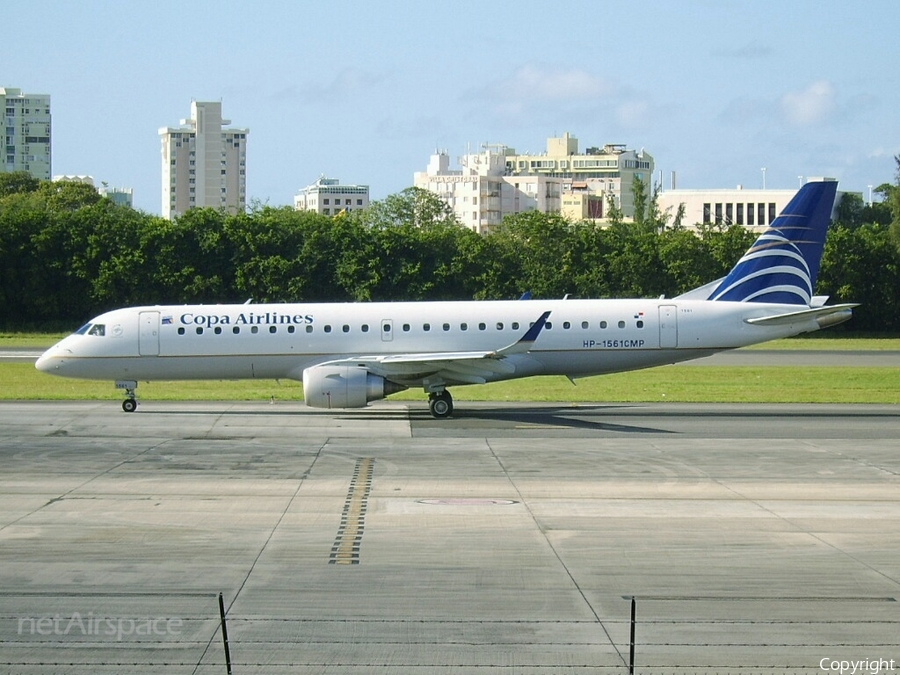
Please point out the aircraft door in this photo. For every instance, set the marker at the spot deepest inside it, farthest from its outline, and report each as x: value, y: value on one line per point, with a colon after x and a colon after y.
x: 387, y: 330
x: 148, y: 344
x: 668, y: 326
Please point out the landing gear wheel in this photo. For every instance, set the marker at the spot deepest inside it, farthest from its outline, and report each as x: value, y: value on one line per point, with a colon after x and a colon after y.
x: 441, y: 404
x: 130, y: 403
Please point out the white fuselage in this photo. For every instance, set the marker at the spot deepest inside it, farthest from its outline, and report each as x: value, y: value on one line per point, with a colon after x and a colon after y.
x: 582, y: 337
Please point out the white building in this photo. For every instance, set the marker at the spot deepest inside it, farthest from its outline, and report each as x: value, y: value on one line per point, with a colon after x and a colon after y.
x: 497, y: 181
x: 753, y: 209
x: 26, y: 126
x: 481, y: 194
x: 598, y: 172
x: 328, y: 197
x: 203, y: 164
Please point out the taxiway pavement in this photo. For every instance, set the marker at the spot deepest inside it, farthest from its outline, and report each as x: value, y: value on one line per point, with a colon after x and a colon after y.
x: 508, y: 539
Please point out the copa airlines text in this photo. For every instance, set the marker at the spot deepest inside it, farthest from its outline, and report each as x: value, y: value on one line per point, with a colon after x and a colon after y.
x: 350, y: 354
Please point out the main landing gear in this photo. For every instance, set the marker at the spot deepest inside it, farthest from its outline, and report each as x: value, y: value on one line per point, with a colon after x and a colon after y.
x: 441, y: 404
x: 129, y: 405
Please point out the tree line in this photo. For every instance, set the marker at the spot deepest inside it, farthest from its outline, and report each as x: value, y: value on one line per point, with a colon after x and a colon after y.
x: 68, y: 254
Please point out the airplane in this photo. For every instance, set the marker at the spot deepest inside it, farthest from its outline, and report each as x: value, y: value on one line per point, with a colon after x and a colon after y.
x: 349, y: 354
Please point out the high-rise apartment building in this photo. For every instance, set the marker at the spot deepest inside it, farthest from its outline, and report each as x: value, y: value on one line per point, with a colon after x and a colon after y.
x: 203, y: 163
x: 26, y: 131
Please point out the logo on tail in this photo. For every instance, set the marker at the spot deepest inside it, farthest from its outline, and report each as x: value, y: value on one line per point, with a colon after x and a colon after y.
x: 782, y: 265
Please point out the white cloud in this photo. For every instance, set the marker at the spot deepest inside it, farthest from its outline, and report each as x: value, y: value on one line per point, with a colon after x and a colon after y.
x: 542, y: 83
x: 811, y: 105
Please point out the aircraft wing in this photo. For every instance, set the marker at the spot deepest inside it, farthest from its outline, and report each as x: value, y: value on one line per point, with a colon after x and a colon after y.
x: 475, y: 367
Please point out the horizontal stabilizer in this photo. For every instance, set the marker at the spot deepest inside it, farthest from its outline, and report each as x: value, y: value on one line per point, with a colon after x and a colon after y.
x: 824, y: 316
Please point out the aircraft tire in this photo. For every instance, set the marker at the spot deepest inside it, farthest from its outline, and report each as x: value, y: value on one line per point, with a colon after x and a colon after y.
x: 129, y: 405
x: 441, y: 405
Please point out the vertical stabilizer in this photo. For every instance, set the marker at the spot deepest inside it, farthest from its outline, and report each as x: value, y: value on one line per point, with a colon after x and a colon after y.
x: 782, y: 265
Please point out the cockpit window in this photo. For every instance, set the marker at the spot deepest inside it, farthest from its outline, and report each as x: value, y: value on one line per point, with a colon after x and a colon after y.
x: 98, y: 329
x: 82, y: 330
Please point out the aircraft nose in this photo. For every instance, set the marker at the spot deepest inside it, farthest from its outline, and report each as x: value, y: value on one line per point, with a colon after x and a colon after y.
x: 50, y: 361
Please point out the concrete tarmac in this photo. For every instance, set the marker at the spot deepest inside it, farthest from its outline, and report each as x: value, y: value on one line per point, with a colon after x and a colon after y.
x: 510, y: 538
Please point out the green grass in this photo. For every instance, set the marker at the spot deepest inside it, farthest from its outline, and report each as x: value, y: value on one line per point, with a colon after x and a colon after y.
x: 31, y: 340
x: 738, y: 384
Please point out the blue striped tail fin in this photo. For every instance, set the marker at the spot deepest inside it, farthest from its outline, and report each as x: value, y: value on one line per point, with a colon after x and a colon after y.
x: 783, y: 263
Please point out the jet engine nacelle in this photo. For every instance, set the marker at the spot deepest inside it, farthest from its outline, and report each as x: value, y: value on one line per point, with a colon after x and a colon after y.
x: 344, y: 387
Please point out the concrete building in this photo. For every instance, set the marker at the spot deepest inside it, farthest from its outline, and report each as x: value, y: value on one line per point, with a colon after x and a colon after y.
x: 203, y: 163
x: 603, y: 171
x: 26, y: 132
x: 753, y: 209
x: 481, y: 194
x: 120, y: 196
x: 327, y: 196
x: 497, y: 181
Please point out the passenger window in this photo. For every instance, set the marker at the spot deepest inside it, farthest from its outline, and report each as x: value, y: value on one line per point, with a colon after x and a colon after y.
x: 446, y: 326
x: 426, y: 327
x: 291, y: 328
x: 345, y: 328
x: 548, y: 325
x: 621, y: 324
x: 309, y: 329
x: 236, y: 329
x: 464, y: 326
x: 603, y: 325
x: 365, y: 328
x: 254, y: 329
x: 327, y: 329
x: 499, y: 325
x: 482, y: 326
x: 181, y: 330
x: 584, y: 325
x: 515, y: 325
x: 199, y: 330
x: 98, y: 329
x: 218, y: 330
x: 640, y: 324
x: 273, y: 329
x: 566, y: 325
x: 406, y: 328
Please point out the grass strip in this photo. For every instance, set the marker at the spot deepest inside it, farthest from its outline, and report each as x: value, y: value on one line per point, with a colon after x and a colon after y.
x: 732, y: 384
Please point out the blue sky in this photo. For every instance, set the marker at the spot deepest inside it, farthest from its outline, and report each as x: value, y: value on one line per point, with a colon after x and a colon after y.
x: 712, y: 89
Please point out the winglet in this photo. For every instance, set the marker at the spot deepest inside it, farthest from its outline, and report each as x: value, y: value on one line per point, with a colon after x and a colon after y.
x: 524, y: 343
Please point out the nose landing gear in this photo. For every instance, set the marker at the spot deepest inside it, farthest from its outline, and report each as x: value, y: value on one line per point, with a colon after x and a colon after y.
x: 130, y: 403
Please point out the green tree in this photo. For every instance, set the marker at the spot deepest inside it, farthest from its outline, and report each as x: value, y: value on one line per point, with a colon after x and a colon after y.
x: 413, y: 207
x: 862, y: 265
x: 17, y: 182
x: 893, y: 201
